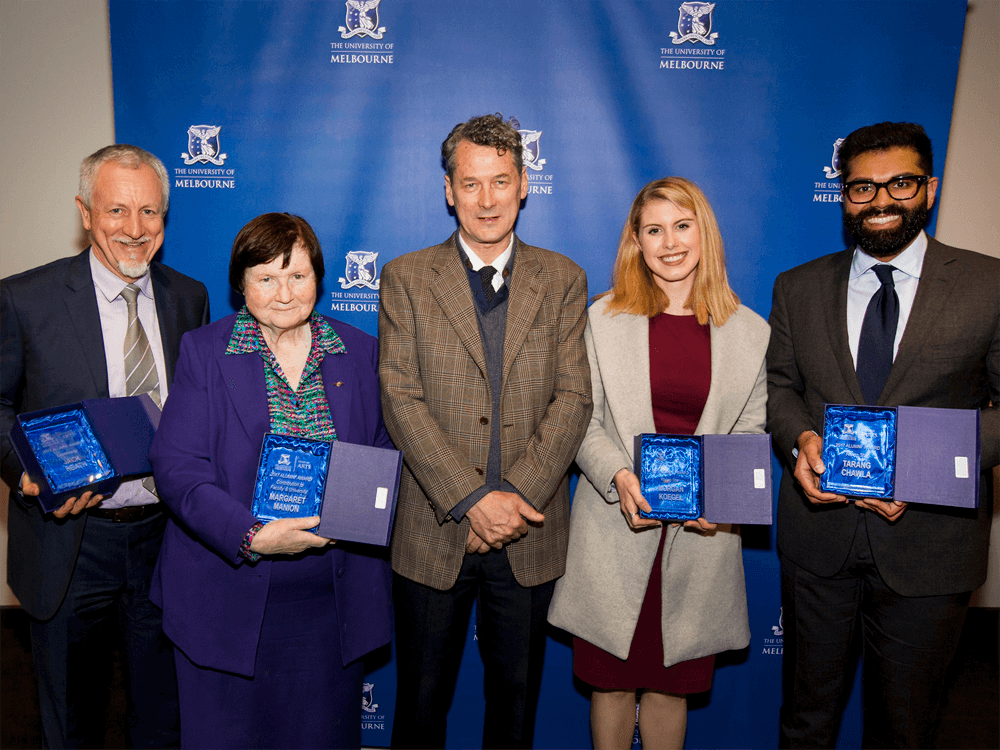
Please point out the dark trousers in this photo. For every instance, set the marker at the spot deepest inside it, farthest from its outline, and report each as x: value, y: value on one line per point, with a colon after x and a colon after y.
x: 907, y: 644
x: 72, y: 650
x: 431, y: 626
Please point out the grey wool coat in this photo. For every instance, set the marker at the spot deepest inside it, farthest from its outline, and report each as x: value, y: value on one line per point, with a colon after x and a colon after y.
x: 608, y: 565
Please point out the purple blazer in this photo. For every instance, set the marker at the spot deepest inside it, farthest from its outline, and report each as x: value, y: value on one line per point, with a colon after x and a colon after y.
x: 205, y: 457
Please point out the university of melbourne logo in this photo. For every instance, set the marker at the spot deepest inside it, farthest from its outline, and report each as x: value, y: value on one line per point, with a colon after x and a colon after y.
x: 283, y: 460
x: 530, y: 140
x: 833, y: 171
x: 368, y: 704
x: 776, y: 646
x: 828, y: 190
x: 695, y: 24
x: 531, y: 155
x: 360, y: 270
x: 362, y: 276
x: 362, y: 20
x: 203, y: 146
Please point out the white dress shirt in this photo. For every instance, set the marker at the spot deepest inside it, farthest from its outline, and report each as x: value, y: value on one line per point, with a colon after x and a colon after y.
x: 114, y: 323
x: 863, y: 283
x: 499, y: 263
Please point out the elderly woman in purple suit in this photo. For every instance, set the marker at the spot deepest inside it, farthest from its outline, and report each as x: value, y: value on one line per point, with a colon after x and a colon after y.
x: 269, y: 620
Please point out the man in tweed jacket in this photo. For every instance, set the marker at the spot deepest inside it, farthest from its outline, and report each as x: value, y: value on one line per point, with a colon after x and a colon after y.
x: 486, y: 390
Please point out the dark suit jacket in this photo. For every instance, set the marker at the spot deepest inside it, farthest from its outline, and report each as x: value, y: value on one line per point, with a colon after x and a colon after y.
x: 205, y: 458
x: 53, y: 354
x: 437, y: 404
x: 949, y: 356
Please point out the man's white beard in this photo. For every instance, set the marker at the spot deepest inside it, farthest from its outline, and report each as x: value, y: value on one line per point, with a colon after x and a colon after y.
x: 134, y: 270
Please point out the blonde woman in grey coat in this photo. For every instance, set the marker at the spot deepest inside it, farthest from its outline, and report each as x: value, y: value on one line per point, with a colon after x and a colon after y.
x: 671, y: 350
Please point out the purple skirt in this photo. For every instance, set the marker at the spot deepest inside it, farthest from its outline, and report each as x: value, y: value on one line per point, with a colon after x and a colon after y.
x: 301, y: 694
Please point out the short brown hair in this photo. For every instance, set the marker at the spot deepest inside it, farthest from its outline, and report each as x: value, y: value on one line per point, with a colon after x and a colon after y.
x: 486, y: 130
x: 265, y: 238
x: 634, y: 289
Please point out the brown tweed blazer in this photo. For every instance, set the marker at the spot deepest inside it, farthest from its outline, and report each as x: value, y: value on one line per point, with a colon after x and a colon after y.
x: 437, y: 405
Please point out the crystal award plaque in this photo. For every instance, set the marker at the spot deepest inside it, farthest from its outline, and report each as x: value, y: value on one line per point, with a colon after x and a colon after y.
x: 67, y: 450
x: 859, y: 451
x: 291, y: 477
x: 669, y: 469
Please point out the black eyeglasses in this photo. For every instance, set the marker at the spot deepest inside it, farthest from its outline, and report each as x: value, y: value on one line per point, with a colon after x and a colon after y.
x: 900, y: 188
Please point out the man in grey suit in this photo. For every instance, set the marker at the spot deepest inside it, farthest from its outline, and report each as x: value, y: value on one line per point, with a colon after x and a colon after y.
x: 899, y: 319
x: 486, y: 390
x: 104, y: 323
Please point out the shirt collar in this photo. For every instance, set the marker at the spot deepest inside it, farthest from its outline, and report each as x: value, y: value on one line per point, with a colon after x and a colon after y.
x: 910, y: 261
x: 110, y: 284
x: 247, y: 336
x: 475, y: 262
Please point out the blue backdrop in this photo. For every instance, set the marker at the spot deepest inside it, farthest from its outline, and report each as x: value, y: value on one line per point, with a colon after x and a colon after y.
x: 337, y: 114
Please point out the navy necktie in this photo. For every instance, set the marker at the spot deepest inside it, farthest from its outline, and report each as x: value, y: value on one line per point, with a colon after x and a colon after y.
x: 878, y: 333
x: 486, y: 274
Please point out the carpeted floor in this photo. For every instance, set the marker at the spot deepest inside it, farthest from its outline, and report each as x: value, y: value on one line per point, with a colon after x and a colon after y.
x: 971, y: 715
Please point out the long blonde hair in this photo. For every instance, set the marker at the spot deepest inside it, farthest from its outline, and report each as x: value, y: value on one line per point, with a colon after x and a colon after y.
x: 634, y: 289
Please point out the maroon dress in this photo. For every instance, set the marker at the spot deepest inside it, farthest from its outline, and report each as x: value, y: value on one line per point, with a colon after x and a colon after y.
x: 680, y: 371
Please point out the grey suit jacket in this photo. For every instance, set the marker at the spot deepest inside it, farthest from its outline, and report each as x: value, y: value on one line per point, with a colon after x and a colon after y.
x: 948, y: 357
x: 608, y: 564
x: 53, y: 354
x: 437, y: 405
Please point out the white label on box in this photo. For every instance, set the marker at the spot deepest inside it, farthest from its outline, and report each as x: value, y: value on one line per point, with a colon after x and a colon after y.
x: 381, y: 497
x: 758, y: 479
x: 962, y: 467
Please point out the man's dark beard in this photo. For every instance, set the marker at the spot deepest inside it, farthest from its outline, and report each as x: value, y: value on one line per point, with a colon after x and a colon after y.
x: 886, y: 243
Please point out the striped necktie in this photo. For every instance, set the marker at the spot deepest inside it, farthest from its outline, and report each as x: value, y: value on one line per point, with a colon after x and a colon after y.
x: 140, y: 367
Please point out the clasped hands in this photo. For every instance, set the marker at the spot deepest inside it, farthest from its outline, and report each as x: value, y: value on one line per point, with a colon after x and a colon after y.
x: 631, y: 501
x: 809, y: 465
x: 498, y: 518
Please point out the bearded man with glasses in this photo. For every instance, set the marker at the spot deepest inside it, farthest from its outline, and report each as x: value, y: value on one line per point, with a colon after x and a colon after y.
x: 899, y: 319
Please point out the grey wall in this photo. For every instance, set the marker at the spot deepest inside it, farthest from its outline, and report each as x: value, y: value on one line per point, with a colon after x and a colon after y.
x: 55, y: 86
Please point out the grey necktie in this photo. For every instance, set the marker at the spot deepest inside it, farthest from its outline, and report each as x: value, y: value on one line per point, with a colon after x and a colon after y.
x: 140, y: 367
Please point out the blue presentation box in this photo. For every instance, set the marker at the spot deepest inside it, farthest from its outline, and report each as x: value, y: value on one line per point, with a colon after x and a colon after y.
x: 721, y: 478
x: 359, y: 504
x: 907, y: 453
x: 353, y: 488
x: 89, y: 445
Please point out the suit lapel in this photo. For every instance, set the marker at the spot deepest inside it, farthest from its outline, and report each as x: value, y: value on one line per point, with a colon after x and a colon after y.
x: 727, y: 372
x: 937, y: 279
x: 526, y: 294
x: 340, y: 382
x: 243, y: 375
x: 620, y: 342
x: 451, y: 290
x: 85, y: 320
x: 167, y: 305
x: 834, y: 304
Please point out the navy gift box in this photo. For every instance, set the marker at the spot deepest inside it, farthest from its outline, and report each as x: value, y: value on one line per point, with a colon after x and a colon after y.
x: 89, y: 445
x: 722, y: 478
x: 936, y: 453
x: 361, y: 491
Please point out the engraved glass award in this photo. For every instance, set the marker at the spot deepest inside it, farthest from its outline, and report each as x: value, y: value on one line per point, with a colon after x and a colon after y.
x: 859, y: 451
x: 67, y: 450
x: 291, y: 477
x: 669, y: 469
